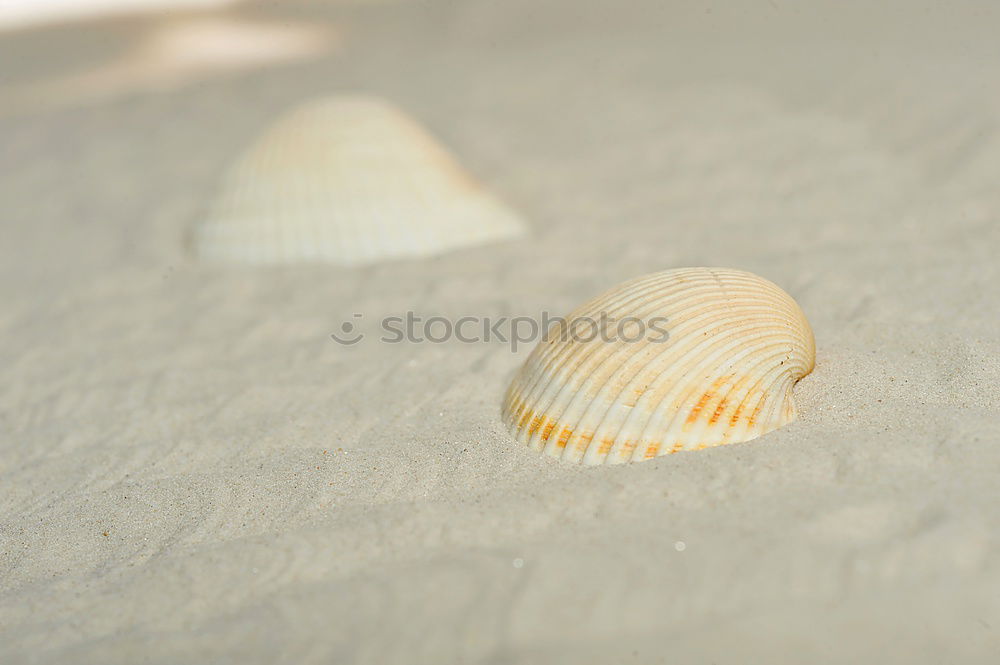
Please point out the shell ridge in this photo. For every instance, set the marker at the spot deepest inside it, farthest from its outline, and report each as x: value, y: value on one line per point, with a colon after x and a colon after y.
x: 764, y: 384
x: 348, y: 180
x: 649, y: 380
x: 597, y: 355
x: 761, y: 386
x: 701, y: 362
x: 696, y: 349
x: 737, y: 345
x: 652, y: 360
x: 565, y: 354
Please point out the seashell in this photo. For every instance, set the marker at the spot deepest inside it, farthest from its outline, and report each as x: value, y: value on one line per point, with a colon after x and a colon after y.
x: 348, y: 180
x: 686, y: 359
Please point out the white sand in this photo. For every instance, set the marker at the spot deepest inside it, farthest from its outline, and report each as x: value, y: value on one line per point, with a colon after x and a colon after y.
x: 192, y: 471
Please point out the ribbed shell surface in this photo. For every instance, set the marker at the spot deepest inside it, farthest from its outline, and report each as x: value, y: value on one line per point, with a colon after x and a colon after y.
x: 719, y: 354
x: 348, y: 180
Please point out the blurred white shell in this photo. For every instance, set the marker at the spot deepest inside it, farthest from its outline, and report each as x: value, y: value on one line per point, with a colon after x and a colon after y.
x: 348, y: 180
x: 710, y: 357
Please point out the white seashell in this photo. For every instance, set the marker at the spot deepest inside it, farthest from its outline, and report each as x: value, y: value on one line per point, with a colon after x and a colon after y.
x: 735, y: 344
x: 348, y: 180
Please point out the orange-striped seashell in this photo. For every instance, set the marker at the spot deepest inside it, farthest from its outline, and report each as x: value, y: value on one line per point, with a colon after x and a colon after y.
x: 678, y: 360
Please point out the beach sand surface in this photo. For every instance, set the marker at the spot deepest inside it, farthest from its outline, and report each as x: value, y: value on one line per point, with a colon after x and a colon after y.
x: 192, y: 470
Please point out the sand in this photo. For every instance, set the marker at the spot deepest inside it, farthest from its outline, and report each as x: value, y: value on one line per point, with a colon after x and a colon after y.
x: 191, y: 470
